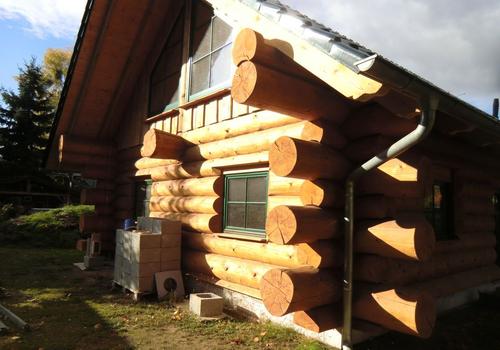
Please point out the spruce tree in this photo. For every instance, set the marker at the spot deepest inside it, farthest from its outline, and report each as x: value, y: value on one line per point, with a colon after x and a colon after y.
x: 26, y: 118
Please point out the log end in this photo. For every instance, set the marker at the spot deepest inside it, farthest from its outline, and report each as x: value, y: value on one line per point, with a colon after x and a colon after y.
x: 281, y: 225
x: 244, y: 82
x: 149, y: 144
x: 245, y: 45
x: 283, y: 156
x: 424, y: 238
x: 276, y: 289
x: 319, y: 319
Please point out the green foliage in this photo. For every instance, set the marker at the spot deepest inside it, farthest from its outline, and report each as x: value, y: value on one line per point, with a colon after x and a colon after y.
x: 55, y: 66
x: 52, y: 228
x: 26, y: 118
x: 7, y: 211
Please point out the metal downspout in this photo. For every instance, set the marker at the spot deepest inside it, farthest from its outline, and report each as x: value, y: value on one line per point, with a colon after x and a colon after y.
x: 427, y: 117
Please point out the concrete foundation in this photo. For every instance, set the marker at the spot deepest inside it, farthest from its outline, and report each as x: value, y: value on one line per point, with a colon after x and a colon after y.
x: 254, y: 308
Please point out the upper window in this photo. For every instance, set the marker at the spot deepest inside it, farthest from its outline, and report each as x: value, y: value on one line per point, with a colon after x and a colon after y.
x: 245, y: 203
x: 165, y: 78
x: 210, y: 53
x: 439, y: 210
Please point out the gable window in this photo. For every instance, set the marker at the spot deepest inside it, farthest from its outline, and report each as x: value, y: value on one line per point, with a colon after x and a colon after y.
x: 439, y: 210
x: 210, y: 51
x: 245, y: 203
x: 165, y: 77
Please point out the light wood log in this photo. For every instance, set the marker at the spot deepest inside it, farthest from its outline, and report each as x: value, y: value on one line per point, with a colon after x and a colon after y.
x: 207, y: 223
x: 276, y: 201
x: 408, y: 237
x: 448, y: 285
x: 317, y: 254
x: 288, y: 290
x: 95, y: 196
x: 376, y: 120
x: 90, y: 223
x: 406, y: 310
x: 146, y: 163
x: 250, y: 45
x: 319, y: 319
x: 320, y: 193
x: 246, y: 124
x: 205, y: 186
x: 207, y: 168
x: 241, y: 271
x: 376, y: 269
x: 186, y: 204
x: 465, y: 242
x: 292, y: 224
x: 259, y: 86
x: 261, y: 140
x: 306, y: 160
x: 160, y: 144
x: 77, y: 145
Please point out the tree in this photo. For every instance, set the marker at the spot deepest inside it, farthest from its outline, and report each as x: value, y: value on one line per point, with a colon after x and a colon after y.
x: 55, y: 66
x: 26, y: 118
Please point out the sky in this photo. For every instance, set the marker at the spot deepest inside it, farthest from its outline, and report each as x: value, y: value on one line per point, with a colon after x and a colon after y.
x: 453, y: 43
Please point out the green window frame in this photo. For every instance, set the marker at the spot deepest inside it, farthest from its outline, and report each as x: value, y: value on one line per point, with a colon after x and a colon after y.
x: 213, y: 37
x: 439, y: 210
x: 245, y: 210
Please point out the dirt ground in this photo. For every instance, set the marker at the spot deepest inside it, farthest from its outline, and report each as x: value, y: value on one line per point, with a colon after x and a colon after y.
x: 71, y: 309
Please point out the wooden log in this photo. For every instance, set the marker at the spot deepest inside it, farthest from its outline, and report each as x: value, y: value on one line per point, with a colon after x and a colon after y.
x: 408, y: 237
x: 250, y: 45
x: 95, y: 196
x: 146, y: 163
x: 317, y: 254
x: 256, y: 85
x: 241, y: 271
x: 466, y: 188
x: 365, y: 148
x: 90, y: 223
x: 448, y: 285
x: 261, y: 140
x: 402, y: 310
x: 207, y: 223
x: 288, y: 290
x: 124, y: 202
x: 121, y: 215
x: 186, y: 204
x: 320, y: 193
x: 276, y: 201
x: 477, y: 223
x: 376, y: 120
x: 205, y: 186
x: 126, y: 189
x: 130, y: 153
x: 206, y: 168
x: 160, y: 144
x: 465, y: 242
x: 68, y: 160
x: 99, y: 173
x: 105, y: 185
x: 380, y: 206
x: 306, y: 160
x: 77, y: 145
x: 376, y: 269
x: 292, y: 224
x: 475, y: 205
x: 103, y: 210
x: 319, y: 319
x: 246, y: 124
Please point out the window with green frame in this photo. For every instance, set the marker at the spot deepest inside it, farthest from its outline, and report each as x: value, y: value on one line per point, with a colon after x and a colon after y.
x: 165, y: 77
x: 142, y: 198
x: 210, y: 51
x: 245, y: 202
x: 439, y: 210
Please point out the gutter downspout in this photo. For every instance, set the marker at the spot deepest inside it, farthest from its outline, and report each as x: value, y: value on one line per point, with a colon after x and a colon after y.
x: 427, y: 117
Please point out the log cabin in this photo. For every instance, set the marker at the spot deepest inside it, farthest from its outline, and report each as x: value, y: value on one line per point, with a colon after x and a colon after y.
x: 318, y: 184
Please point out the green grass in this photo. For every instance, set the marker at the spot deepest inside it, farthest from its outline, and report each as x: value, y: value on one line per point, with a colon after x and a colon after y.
x: 52, y: 228
x: 71, y: 309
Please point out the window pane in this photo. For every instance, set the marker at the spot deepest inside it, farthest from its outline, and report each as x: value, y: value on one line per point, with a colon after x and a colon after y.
x: 257, y: 191
x: 199, y: 75
x: 256, y: 216
x: 221, y: 66
x: 236, y: 190
x: 235, y: 215
x: 201, y: 42
x: 221, y: 33
x: 202, y: 13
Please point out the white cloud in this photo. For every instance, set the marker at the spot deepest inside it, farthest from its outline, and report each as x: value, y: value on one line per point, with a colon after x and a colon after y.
x: 453, y: 43
x: 56, y: 18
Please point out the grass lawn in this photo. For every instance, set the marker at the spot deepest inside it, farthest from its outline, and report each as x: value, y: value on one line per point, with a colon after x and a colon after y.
x: 71, y: 309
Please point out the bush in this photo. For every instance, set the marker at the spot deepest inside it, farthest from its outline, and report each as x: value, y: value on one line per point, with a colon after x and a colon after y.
x: 7, y: 211
x: 52, y: 228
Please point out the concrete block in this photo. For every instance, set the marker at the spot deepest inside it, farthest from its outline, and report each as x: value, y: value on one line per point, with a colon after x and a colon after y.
x: 206, y: 304
x: 144, y: 269
x: 144, y: 240
x: 165, y: 226
x: 145, y: 255
x: 170, y: 254
x: 139, y: 285
x: 144, y: 224
x: 168, y: 282
x: 170, y: 240
x: 170, y: 265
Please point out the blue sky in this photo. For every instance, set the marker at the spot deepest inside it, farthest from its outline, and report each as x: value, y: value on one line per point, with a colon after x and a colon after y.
x: 453, y: 43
